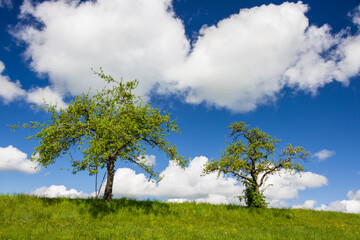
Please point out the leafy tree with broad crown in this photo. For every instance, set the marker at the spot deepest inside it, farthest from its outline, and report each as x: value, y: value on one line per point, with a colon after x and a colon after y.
x: 251, y: 159
x: 110, y: 125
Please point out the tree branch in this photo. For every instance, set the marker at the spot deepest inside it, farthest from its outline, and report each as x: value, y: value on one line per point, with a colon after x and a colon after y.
x: 276, y: 168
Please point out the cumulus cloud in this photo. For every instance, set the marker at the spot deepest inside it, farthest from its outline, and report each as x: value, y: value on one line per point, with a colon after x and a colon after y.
x: 352, y: 205
x: 55, y: 191
x: 189, y: 184
x: 324, y: 154
x: 12, y: 159
x: 9, y: 90
x: 242, y: 62
x: 354, y: 196
x: 239, y: 63
x: 309, y: 204
x: 39, y: 95
x: 247, y: 59
x: 349, y: 51
x: 179, y: 185
x: 133, y: 39
x: 287, y: 185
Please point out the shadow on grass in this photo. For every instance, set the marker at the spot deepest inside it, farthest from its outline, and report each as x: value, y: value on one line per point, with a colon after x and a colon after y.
x: 98, y: 208
x: 234, y: 207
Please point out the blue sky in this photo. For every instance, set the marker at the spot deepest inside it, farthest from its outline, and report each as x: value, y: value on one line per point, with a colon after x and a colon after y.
x: 289, y: 68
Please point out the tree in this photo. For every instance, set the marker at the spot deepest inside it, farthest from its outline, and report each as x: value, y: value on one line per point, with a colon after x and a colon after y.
x: 250, y: 157
x: 110, y: 125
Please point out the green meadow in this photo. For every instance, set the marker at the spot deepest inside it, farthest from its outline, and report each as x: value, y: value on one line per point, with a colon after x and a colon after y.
x: 27, y: 217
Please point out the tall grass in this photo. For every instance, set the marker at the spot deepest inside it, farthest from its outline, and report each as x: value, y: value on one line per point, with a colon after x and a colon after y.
x: 25, y: 217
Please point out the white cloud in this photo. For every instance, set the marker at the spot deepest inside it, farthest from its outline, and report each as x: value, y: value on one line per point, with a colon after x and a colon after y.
x: 133, y: 39
x: 190, y: 184
x: 129, y: 184
x: 9, y: 91
x: 349, y: 65
x: 311, y: 69
x: 6, y: 3
x: 181, y: 185
x: 178, y: 184
x: 12, y: 159
x: 247, y: 59
x: 215, y: 199
x: 286, y: 185
x: 324, y: 154
x: 354, y: 196
x: 309, y: 204
x: 55, y: 191
x: 347, y: 206
x: 211, y: 198
x: 277, y: 203
x: 239, y: 63
x: 242, y: 62
x: 352, y: 205
x: 149, y: 160
x: 356, y: 16
x: 39, y: 95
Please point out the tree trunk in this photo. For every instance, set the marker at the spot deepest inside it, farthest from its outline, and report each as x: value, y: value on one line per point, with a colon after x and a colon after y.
x: 257, y: 189
x: 109, y: 181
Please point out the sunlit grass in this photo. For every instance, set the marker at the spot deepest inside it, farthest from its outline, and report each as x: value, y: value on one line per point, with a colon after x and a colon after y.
x: 25, y: 217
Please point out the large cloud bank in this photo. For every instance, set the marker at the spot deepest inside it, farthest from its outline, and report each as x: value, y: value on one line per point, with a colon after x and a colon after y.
x: 240, y: 63
x: 179, y: 185
x: 130, y: 38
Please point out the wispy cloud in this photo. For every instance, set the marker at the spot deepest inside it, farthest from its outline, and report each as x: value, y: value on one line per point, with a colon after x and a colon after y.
x: 6, y: 4
x: 324, y: 154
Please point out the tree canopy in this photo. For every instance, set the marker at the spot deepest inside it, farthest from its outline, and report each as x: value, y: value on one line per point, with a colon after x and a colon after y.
x: 250, y: 157
x: 112, y: 124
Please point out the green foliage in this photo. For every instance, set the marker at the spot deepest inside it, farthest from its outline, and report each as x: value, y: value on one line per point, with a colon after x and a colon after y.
x: 253, y: 198
x: 251, y: 159
x: 25, y: 217
x: 112, y: 124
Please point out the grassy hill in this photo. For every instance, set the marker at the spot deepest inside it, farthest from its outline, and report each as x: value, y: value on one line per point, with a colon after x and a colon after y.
x: 25, y: 217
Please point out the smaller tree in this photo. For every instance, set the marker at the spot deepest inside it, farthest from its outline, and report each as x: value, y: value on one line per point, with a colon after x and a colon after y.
x: 251, y: 159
